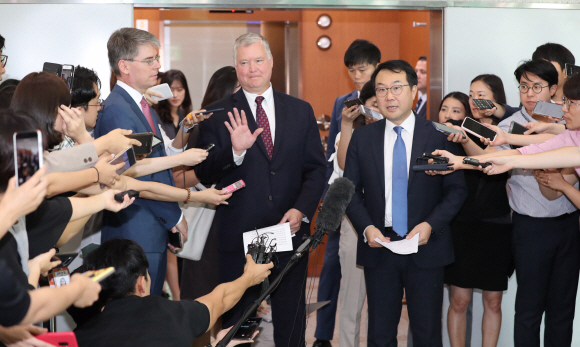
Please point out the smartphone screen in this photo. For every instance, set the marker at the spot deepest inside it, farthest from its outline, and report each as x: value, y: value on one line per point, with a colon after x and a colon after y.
x: 67, y: 75
x: 27, y: 154
x: 475, y: 128
x: 483, y: 104
x: 247, y: 329
x: 127, y: 157
x: 516, y: 128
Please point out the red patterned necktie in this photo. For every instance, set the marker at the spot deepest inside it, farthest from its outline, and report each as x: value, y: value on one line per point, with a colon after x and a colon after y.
x: 147, y: 114
x: 263, y: 123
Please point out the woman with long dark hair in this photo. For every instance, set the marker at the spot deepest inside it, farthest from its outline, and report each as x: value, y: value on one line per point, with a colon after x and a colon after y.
x: 172, y: 111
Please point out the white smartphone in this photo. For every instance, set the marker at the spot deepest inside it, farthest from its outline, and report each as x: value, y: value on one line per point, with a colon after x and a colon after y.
x: 27, y: 154
x: 162, y: 89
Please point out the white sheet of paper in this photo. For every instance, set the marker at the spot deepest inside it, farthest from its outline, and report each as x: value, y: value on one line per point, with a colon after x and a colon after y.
x: 402, y: 247
x: 162, y: 89
x: 280, y: 232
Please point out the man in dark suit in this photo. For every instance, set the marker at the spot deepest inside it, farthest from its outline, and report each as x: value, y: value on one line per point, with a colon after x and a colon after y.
x: 134, y: 59
x: 392, y: 202
x: 421, y: 71
x: 276, y: 150
x: 361, y: 58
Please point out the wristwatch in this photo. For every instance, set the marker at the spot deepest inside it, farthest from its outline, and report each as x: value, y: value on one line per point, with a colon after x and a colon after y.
x: 186, y: 130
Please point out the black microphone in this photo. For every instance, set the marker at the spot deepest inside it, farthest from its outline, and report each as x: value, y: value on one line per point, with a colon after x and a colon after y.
x: 332, y: 209
x: 335, y: 203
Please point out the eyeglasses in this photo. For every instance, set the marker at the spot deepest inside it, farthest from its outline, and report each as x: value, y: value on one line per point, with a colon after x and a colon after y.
x: 149, y: 62
x: 566, y: 102
x: 100, y: 104
x: 396, y: 90
x: 3, y: 60
x: 536, y: 88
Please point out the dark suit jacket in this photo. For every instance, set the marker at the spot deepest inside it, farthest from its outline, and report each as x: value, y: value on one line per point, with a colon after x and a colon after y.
x: 145, y: 221
x: 294, y: 178
x: 334, y: 129
x: 432, y: 199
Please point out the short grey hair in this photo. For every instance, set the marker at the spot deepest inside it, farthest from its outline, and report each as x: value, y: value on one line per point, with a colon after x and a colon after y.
x: 124, y: 44
x: 249, y: 39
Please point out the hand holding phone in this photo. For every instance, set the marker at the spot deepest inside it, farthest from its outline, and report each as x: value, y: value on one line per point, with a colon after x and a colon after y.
x: 447, y: 130
x: 146, y: 140
x: 234, y: 187
x: 120, y: 197
x: 350, y: 103
x: 126, y: 157
x: 477, y: 131
x: 247, y: 329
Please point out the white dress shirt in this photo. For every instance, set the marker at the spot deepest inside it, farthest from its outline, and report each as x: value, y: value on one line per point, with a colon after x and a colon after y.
x: 133, y: 93
x: 390, y: 137
x: 269, y: 108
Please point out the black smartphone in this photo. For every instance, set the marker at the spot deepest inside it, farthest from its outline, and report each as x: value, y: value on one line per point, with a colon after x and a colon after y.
x: 247, y: 329
x: 516, y: 128
x: 120, y: 197
x: 483, y: 104
x: 571, y: 69
x: 477, y: 130
x: 127, y: 157
x: 548, y: 109
x: 64, y: 71
x: 175, y: 239
x: 446, y: 130
x: 211, y: 111
x: 27, y: 154
x: 435, y: 167
x: 208, y: 147
x: 146, y: 140
x: 66, y: 258
x: 352, y: 102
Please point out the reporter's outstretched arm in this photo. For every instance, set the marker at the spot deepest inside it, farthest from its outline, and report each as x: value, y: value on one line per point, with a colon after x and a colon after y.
x: 82, y: 207
x: 47, y: 302
x: 226, y: 295
x: 147, y: 166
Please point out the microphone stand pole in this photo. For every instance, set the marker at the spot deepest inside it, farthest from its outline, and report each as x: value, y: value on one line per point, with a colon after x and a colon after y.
x: 312, y: 241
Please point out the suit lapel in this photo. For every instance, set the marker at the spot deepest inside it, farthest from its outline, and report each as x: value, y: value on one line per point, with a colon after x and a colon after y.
x: 136, y: 109
x: 281, y: 118
x: 378, y: 149
x: 421, y: 136
x: 241, y: 103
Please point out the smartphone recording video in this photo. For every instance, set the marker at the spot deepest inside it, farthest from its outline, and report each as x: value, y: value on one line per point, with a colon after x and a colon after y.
x: 127, y: 157
x: 64, y: 71
x: 27, y: 154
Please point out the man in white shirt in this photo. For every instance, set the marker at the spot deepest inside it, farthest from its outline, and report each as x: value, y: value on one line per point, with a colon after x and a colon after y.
x: 392, y: 202
x: 134, y: 59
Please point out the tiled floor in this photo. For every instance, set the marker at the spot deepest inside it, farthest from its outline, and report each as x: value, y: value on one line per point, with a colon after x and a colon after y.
x: 312, y: 290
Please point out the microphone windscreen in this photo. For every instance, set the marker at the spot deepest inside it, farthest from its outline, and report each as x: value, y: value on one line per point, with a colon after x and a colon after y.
x: 335, y: 203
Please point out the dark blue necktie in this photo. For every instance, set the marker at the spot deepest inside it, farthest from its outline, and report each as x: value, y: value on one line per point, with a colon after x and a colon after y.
x: 399, y: 185
x: 419, y: 103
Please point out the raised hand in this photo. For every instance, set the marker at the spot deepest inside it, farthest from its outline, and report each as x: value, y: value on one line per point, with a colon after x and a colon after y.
x: 73, y: 124
x: 242, y: 137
